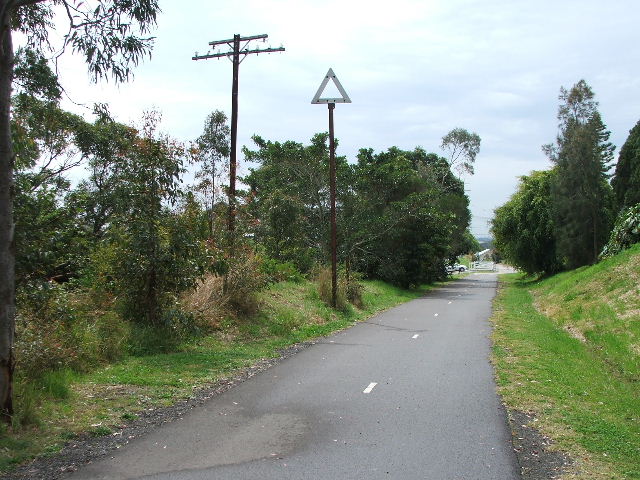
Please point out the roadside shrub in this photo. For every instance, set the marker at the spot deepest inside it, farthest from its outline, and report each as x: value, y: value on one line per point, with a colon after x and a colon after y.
x: 276, y: 271
x: 284, y: 322
x: 203, y: 302
x: 151, y: 339
x: 55, y: 384
x: 324, y: 289
x: 30, y: 392
x: 177, y: 326
x: 353, y: 289
x: 58, y: 327
x: 243, y: 281
x: 146, y: 264
x: 235, y: 293
x: 625, y: 233
x: 26, y: 401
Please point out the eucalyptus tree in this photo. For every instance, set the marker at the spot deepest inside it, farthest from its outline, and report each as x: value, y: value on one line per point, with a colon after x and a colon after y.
x: 463, y: 148
x: 212, y: 149
x: 112, y: 36
x: 151, y: 256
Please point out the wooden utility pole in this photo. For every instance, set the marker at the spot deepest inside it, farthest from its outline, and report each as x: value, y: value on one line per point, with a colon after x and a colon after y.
x: 237, y: 53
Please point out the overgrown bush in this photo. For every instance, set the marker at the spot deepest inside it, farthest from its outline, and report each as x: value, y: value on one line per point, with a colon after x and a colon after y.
x: 625, y: 233
x: 233, y: 292
x: 243, y: 281
x: 277, y: 271
x: 59, y: 327
x: 347, y: 292
x: 353, y: 289
x: 177, y: 325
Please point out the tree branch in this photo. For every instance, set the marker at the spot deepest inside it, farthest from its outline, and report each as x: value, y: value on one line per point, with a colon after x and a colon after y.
x: 25, y: 3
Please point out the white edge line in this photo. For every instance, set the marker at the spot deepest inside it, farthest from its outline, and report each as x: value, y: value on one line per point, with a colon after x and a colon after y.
x: 369, y: 388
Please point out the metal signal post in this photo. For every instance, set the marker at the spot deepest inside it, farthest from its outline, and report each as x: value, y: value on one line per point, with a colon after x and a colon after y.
x: 332, y: 193
x: 331, y: 103
x: 237, y: 53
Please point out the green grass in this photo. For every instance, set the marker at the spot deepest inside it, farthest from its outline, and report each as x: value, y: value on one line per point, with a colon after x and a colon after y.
x: 575, y: 365
x: 65, y: 404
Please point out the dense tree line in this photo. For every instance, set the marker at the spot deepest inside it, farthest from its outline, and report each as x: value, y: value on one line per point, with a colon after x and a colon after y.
x: 112, y: 36
x: 401, y: 214
x: 562, y: 218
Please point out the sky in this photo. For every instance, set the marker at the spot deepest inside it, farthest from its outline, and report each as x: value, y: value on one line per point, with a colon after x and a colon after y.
x: 414, y: 69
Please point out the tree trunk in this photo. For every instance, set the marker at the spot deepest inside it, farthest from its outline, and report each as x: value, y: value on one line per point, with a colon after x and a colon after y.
x: 594, y: 258
x: 212, y: 217
x: 7, y: 248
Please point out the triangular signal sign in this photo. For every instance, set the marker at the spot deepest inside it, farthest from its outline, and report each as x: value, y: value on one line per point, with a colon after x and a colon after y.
x: 331, y: 76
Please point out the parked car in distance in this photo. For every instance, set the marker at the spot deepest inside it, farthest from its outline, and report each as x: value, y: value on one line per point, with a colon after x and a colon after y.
x: 456, y: 268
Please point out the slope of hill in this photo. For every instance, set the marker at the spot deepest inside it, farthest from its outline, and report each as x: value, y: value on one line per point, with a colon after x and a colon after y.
x: 567, y: 350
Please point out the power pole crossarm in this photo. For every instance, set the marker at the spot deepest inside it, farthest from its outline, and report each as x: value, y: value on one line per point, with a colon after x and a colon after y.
x: 263, y: 36
x: 242, y: 52
x: 236, y: 51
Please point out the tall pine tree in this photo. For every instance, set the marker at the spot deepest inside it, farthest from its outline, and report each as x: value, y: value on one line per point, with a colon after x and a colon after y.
x: 582, y: 199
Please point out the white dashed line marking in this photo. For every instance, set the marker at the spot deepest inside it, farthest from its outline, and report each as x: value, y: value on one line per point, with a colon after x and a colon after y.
x: 435, y: 314
x: 369, y: 388
x: 449, y: 303
x: 415, y: 336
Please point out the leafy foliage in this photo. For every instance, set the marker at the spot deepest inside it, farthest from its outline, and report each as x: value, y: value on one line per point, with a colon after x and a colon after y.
x: 33, y: 75
x: 626, y: 180
x: 401, y: 214
x: 406, y: 217
x: 59, y: 327
x: 152, y: 256
x: 288, y: 205
x: 626, y: 232
x: 112, y: 35
x: 523, y: 227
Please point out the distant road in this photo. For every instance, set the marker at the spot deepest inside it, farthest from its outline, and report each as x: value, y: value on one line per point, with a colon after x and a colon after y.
x: 407, y: 395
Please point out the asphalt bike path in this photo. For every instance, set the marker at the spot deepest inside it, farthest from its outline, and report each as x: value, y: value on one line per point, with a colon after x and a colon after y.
x: 408, y: 394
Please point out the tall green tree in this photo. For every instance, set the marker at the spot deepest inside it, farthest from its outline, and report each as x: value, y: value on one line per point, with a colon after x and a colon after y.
x: 112, y: 35
x: 409, y: 217
x: 105, y: 144
x: 289, y: 198
x: 626, y: 180
x: 151, y: 255
x: 44, y: 141
x: 523, y: 227
x: 581, y: 195
x: 212, y: 149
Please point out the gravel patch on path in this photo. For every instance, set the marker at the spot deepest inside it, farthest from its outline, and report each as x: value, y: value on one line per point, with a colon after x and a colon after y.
x: 537, y: 459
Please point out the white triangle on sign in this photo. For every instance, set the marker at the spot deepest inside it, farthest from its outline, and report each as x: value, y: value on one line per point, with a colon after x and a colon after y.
x: 331, y: 76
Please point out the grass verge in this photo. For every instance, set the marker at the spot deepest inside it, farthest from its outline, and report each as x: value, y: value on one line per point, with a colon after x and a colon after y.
x: 67, y: 404
x: 565, y: 350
